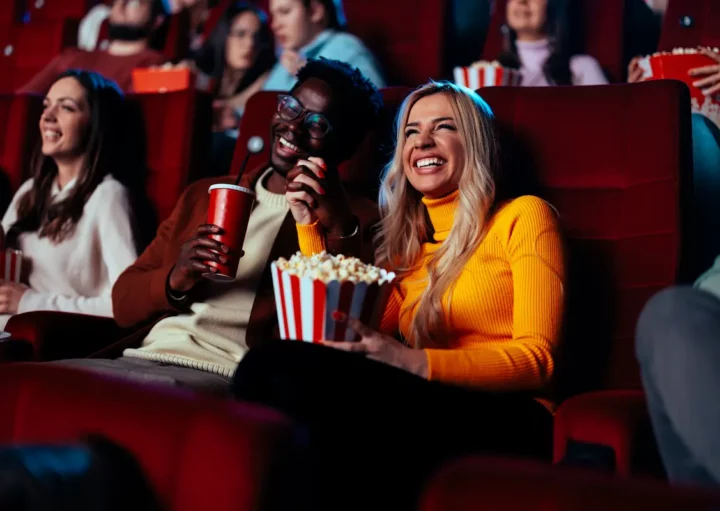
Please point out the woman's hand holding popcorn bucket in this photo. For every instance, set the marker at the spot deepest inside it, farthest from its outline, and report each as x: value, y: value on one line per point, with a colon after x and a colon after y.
x: 699, y: 68
x: 338, y: 302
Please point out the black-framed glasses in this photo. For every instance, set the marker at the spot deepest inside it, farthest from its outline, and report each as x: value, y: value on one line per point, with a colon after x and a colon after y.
x: 290, y: 109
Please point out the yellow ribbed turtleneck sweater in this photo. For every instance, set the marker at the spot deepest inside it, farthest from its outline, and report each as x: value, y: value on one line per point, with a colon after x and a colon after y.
x: 505, y: 315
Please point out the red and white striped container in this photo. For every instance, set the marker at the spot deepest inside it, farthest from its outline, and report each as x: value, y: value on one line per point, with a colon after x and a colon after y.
x: 676, y: 65
x: 305, y: 306
x: 11, y: 265
x: 476, y: 77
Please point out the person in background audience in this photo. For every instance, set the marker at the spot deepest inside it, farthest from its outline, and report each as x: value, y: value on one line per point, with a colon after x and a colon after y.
x: 72, y: 219
x: 679, y: 354
x: 132, y: 22
x: 537, y: 42
x: 202, y: 329
x: 478, y: 305
x: 239, y: 56
x: 90, y: 25
x: 311, y: 29
x: 93, y: 475
x: 706, y: 164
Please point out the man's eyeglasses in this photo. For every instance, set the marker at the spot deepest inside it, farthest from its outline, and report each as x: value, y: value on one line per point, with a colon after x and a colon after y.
x: 290, y: 109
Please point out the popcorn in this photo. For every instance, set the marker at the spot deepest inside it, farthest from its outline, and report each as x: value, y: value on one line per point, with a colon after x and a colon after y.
x: 326, y: 268
x: 310, y: 291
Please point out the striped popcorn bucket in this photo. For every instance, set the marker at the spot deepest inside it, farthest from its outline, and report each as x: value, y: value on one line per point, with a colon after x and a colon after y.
x: 305, y: 306
x: 486, y: 76
x: 11, y: 265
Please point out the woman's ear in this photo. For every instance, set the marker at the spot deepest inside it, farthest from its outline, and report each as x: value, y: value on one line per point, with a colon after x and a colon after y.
x: 318, y: 13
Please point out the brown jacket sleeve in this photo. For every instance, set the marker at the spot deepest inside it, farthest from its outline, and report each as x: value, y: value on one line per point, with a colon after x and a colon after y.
x: 139, y: 293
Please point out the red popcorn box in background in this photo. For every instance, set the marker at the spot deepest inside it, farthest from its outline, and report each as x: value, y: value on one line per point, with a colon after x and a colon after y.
x: 486, y: 74
x: 307, y: 298
x: 11, y: 265
x: 169, y: 79
x: 675, y: 65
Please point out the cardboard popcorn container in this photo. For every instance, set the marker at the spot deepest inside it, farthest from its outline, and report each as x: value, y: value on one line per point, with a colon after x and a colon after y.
x: 306, y: 305
x: 11, y: 265
x: 675, y: 65
x: 486, y: 74
x: 160, y: 80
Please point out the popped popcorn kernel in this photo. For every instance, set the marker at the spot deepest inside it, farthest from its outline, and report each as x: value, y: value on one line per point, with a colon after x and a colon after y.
x: 327, y: 267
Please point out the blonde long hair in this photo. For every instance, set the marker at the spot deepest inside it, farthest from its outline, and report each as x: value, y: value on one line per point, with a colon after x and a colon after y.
x: 404, y: 226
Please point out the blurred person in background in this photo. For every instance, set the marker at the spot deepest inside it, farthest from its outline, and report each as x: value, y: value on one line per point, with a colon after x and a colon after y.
x: 92, y: 475
x: 311, y: 29
x: 72, y: 219
x: 538, y: 43
x: 132, y: 23
x: 238, y: 56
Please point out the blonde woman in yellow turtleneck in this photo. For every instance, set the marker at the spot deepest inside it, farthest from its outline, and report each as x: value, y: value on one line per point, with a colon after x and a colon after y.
x: 479, y: 302
x: 479, y: 298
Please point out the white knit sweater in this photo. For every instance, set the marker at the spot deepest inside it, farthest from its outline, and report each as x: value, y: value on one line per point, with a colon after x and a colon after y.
x: 77, y: 274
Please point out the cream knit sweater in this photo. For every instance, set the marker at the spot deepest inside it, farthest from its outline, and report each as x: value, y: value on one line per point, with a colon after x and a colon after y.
x: 77, y: 274
x: 211, y: 337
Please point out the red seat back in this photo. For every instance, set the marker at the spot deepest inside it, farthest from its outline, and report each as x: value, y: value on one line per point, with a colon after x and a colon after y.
x: 177, y: 131
x: 603, y: 29
x: 37, y: 43
x: 690, y: 23
x: 614, y: 161
x: 58, y: 9
x: 11, y: 11
x: 495, y: 485
x: 19, y: 134
x: 197, y: 452
x: 406, y: 36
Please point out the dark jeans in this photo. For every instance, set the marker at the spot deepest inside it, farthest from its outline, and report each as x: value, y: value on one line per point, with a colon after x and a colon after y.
x: 678, y: 348
x: 706, y: 190
x: 375, y: 433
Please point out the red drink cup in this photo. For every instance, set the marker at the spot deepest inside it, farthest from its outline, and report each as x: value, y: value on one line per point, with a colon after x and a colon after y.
x: 229, y: 209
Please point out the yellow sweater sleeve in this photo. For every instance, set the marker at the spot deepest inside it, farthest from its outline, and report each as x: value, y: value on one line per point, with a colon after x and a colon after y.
x: 311, y: 238
x: 534, y: 250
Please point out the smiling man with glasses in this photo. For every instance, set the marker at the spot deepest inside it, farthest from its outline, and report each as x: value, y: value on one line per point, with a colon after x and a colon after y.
x: 131, y: 23
x: 205, y: 328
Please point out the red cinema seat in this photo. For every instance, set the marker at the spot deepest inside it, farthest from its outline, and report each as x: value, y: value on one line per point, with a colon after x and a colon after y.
x: 11, y: 11
x: 618, y: 175
x: 603, y: 29
x: 504, y: 485
x: 177, y: 130
x: 19, y: 134
x: 58, y: 9
x: 406, y: 36
x: 197, y: 452
x: 690, y: 23
x: 37, y: 43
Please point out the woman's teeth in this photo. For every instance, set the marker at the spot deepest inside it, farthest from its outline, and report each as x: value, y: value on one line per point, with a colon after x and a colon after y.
x: 289, y: 145
x: 51, y: 135
x: 430, y: 162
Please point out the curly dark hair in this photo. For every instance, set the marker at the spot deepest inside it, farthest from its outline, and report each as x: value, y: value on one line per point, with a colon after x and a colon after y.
x: 361, y: 100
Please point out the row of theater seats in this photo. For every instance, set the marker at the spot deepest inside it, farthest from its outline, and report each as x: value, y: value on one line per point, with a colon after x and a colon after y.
x: 203, y: 453
x: 407, y: 36
x: 618, y: 175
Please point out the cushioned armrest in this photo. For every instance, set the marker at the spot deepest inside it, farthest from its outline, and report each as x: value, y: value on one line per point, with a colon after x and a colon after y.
x: 60, y: 335
x: 609, y: 426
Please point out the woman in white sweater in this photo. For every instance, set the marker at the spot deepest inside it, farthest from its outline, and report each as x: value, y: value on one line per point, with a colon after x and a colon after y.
x: 72, y: 220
